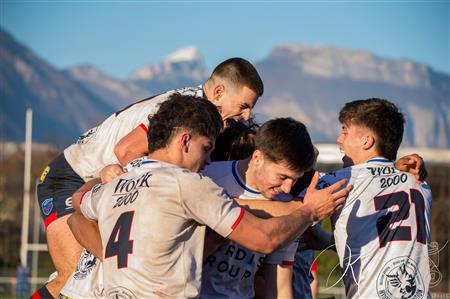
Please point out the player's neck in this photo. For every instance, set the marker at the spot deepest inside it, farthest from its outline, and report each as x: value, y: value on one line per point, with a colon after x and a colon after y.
x: 246, y: 171
x: 164, y: 156
x: 366, y: 156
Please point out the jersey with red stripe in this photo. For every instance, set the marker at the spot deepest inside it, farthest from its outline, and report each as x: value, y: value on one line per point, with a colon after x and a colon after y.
x: 95, y: 148
x: 229, y: 272
x: 382, y: 233
x: 152, y: 223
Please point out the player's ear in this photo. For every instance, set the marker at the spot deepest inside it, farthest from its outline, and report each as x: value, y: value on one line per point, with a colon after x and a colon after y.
x: 258, y: 157
x: 368, y: 141
x: 218, y: 91
x: 184, y: 141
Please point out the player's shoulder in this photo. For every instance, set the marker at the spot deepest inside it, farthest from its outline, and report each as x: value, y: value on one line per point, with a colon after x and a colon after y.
x: 332, y: 177
x: 218, y: 170
x: 160, y: 98
x: 186, y: 177
x: 195, y: 91
x: 155, y: 168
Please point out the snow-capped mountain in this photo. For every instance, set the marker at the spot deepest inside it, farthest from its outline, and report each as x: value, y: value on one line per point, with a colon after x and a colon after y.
x: 184, y: 67
x: 312, y: 83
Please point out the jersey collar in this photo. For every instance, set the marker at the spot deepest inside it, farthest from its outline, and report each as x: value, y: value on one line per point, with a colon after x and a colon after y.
x: 239, y: 180
x: 378, y: 159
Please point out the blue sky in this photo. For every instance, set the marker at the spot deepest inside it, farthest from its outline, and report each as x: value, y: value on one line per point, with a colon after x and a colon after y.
x: 119, y: 37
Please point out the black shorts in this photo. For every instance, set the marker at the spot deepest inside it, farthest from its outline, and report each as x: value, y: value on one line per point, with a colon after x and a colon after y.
x: 57, y: 183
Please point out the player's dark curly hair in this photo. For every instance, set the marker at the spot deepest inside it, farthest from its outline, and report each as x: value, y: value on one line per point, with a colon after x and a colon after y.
x: 195, y: 114
x: 380, y: 116
x: 286, y: 140
x: 236, y: 142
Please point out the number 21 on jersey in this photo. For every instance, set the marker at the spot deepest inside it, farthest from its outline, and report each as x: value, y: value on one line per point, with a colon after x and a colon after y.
x: 386, y: 232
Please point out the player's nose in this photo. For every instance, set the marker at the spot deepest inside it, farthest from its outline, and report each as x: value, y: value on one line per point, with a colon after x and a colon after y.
x: 286, y: 186
x: 246, y: 114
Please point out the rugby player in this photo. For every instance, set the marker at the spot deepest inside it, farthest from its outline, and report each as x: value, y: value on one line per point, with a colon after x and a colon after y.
x: 152, y: 219
x: 233, y: 87
x: 382, y: 233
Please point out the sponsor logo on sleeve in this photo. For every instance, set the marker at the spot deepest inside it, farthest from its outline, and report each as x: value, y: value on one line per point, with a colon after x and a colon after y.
x: 44, y: 174
x: 86, y: 136
x: 47, y: 206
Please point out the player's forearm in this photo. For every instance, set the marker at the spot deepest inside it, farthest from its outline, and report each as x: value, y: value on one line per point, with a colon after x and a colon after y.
x: 270, y: 234
x: 126, y: 156
x: 77, y: 196
x: 132, y: 146
x: 267, y: 208
x: 87, y: 233
x: 285, y: 229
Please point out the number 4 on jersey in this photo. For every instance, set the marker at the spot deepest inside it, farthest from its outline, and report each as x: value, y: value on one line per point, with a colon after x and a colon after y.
x: 119, y: 242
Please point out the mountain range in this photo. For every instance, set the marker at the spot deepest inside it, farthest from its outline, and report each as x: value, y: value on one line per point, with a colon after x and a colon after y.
x: 309, y: 83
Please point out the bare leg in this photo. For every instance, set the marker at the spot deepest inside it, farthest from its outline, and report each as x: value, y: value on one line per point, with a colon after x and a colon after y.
x: 64, y: 251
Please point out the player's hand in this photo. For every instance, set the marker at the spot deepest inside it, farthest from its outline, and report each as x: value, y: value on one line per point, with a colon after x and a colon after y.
x: 110, y: 172
x: 413, y: 164
x: 325, y: 202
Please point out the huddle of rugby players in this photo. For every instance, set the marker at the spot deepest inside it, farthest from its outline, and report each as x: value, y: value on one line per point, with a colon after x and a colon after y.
x: 135, y: 208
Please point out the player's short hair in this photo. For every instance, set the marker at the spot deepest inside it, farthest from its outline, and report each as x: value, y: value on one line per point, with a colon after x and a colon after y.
x: 236, y: 142
x: 240, y: 72
x: 195, y: 114
x: 286, y: 140
x: 380, y: 116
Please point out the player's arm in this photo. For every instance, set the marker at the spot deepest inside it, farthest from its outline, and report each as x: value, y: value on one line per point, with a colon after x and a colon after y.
x: 413, y: 164
x: 132, y: 146
x: 269, y: 208
x: 260, y: 208
x: 87, y: 233
x: 107, y: 174
x: 85, y: 230
x: 278, y: 281
x: 270, y: 234
x: 78, y: 195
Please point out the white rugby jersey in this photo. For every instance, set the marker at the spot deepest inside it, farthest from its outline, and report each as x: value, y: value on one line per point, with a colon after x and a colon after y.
x: 382, y: 233
x: 229, y: 272
x: 87, y: 280
x: 95, y: 148
x: 152, y: 222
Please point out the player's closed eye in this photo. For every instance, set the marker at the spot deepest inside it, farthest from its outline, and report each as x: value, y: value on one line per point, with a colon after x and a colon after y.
x: 244, y: 106
x: 207, y: 149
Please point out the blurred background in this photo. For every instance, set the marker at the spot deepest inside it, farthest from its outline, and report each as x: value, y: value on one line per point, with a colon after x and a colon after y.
x: 74, y: 63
